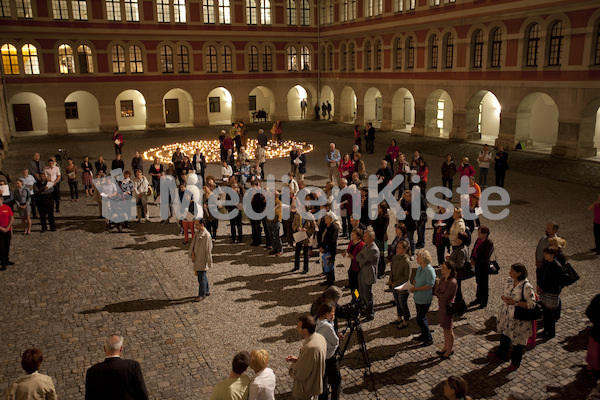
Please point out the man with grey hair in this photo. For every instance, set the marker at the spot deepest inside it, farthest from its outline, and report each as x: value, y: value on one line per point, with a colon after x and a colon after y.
x: 115, y: 378
x: 262, y: 138
x: 367, y: 259
x: 333, y: 158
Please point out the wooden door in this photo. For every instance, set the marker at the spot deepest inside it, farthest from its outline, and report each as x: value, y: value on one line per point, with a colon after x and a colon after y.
x: 22, y: 115
x: 172, y: 111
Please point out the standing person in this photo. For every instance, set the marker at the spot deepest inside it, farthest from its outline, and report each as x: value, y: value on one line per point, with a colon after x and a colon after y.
x: 7, y: 218
x: 593, y: 349
x: 317, y: 110
x: 303, y: 107
x: 117, y: 138
x: 328, y: 110
x: 28, y: 183
x: 354, y: 247
x: 359, y: 166
x: 370, y: 137
x: 301, y: 164
x: 156, y: 171
x: 273, y: 131
x: 440, y: 241
x: 36, y: 166
x: 596, y: 209
x: 357, y: 136
x: 100, y: 165
x: 279, y: 131
x: 87, y: 175
x: 261, y: 157
x: 262, y: 386
x: 448, y: 172
x: 72, y: 172
x: 480, y: 260
x: 346, y: 167
x: 380, y: 227
x: 236, y: 386
x: 458, y: 225
x: 178, y: 160
x: 549, y: 286
x: 115, y: 378
x: 423, y: 295
x: 399, y: 275
x: 274, y: 227
x: 391, y: 155
x: 500, y: 166
x: 201, y: 255
x: 459, y: 258
x: 23, y: 203
x: 474, y: 198
x: 293, y: 158
x: 307, y: 370
x: 368, y: 258
x: 485, y: 156
x: 384, y: 175
x: 445, y: 290
x: 329, y: 245
x: 409, y: 221
x: 140, y: 193
x: 325, y: 326
x: 45, y: 202
x: 53, y: 174
x: 235, y: 223
x: 518, y: 292
x: 118, y: 163
x: 199, y: 164
x: 137, y: 162
x: 465, y: 168
x: 262, y: 138
x: 324, y: 110
x: 333, y: 158
x: 33, y: 385
x: 307, y: 225
x: 551, y: 231
x: 423, y: 173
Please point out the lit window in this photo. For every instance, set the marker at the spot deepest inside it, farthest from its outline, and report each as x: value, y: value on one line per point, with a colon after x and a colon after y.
x: 411, y: 4
x: 433, y: 62
x: 86, y: 61
x: 166, y: 59
x: 226, y: 59
x: 343, y: 56
x: 440, y: 114
x: 118, y: 59
x: 496, y: 47
x: 378, y: 55
x: 378, y: 7
x: 369, y: 8
x: 410, y: 53
x: 126, y: 108
x: 449, y: 50
x: 556, y: 38
x: 24, y: 9
x: 292, y: 59
x: 398, y: 54
x: 136, y: 65
x: 368, y: 52
x: 352, y: 60
x: 162, y: 11
x: 304, y: 13
x: 113, y: 10
x: 224, y: 12
x: 30, y: 59
x: 330, y: 57
x: 253, y: 59
x: 71, y: 110
x: 214, y: 104
x: 398, y: 5
x: 305, y: 59
x: 211, y: 59
x: 179, y: 11
x: 79, y: 10
x: 66, y: 60
x: 183, y: 60
x: 4, y: 8
x: 265, y: 12
x: 478, y: 49
x: 208, y: 11
x: 251, y: 12
x: 352, y: 16
x: 10, y: 60
x: 60, y: 9
x: 344, y: 14
x: 597, y: 52
x: 291, y: 12
x: 267, y: 59
x: 533, y: 40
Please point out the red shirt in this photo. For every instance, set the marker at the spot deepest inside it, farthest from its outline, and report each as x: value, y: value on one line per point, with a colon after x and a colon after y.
x: 5, y: 214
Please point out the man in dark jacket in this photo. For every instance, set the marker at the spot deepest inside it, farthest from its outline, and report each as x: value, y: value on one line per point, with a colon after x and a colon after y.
x: 480, y: 259
x: 329, y: 245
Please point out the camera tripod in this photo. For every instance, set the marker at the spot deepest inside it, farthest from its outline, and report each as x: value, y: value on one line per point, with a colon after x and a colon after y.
x: 354, y: 325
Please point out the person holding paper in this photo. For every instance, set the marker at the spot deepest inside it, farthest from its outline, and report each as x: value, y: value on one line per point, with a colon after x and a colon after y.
x: 45, y: 202
x: 368, y: 259
x: 117, y: 138
x: 307, y: 227
x: 423, y: 295
x: 346, y: 167
x: 333, y: 158
x: 235, y: 223
x: 445, y: 290
x: 400, y: 274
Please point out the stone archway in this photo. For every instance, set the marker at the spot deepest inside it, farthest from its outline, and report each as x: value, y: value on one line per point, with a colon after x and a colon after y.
x: 219, y: 103
x: 28, y: 114
x: 403, y: 110
x: 294, y: 96
x: 328, y: 96
x: 439, y: 114
x: 178, y: 109
x: 348, y: 105
x: 483, y: 117
x: 262, y: 98
x: 82, y: 112
x: 537, y: 122
x: 130, y: 108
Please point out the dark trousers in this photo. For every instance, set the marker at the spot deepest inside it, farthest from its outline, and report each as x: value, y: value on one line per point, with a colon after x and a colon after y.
x: 300, y: 247
x: 353, y: 280
x: 517, y: 354
x: 346, y: 227
x: 420, y: 236
x: 482, y: 277
x: 236, y: 227
x: 422, y: 320
x: 447, y: 183
x: 256, y: 232
x: 333, y: 378
x: 33, y: 205
x: 549, y: 316
x: 56, y: 196
x: 156, y: 186
x: 262, y: 171
x: 459, y: 296
x: 597, y: 236
x: 381, y: 265
x: 500, y: 177
x: 74, y: 190
x: 4, y: 247
x: 117, y: 149
x: 46, y: 209
x: 268, y: 240
x: 370, y: 146
x: 212, y: 227
x: 441, y: 253
x: 330, y: 277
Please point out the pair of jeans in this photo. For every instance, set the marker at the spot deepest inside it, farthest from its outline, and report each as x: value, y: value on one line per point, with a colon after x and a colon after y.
x: 273, y: 228
x: 74, y: 190
x: 236, y: 227
x: 332, y: 378
x: 401, y: 300
x: 203, y: 289
x: 517, y: 354
x: 422, y: 310
x: 483, y: 174
x: 300, y: 247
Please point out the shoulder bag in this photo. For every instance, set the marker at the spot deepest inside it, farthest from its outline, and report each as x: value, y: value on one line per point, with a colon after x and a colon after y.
x: 465, y: 272
x: 528, y: 314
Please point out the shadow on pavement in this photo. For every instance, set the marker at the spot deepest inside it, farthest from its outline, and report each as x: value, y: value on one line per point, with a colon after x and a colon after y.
x: 139, y: 305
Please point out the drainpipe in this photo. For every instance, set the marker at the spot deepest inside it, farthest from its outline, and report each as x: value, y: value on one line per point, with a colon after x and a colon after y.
x: 319, y: 53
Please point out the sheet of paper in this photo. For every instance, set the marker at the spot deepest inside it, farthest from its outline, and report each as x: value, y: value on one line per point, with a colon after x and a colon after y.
x: 346, y: 261
x: 300, y: 236
x: 5, y: 190
x: 404, y: 287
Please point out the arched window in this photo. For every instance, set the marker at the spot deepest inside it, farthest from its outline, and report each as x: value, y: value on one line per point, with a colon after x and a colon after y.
x: 597, y: 46
x: 113, y: 10
x: 267, y: 59
x: 86, y: 61
x: 179, y: 12
x: 556, y: 38
x: 183, y: 59
x: 323, y: 61
x: 10, y: 60
x: 132, y: 11
x: 30, y: 59
x: 496, y: 56
x: 136, y: 66
x: 398, y: 54
x: 305, y: 58
x: 224, y: 11
x: 433, y: 52
x: 352, y: 59
x: 449, y: 50
x: 291, y: 12
x: 378, y: 55
x: 66, y: 61
x: 265, y: 12
x: 292, y: 59
x: 118, y: 59
x: 226, y: 59
x: 208, y: 11
x: 211, y: 59
x: 343, y: 56
x: 162, y: 11
x: 477, y: 48
x: 330, y: 58
x: 251, y: 12
x: 533, y: 40
x: 368, y: 55
x: 410, y: 53
x: 304, y: 13
x: 253, y: 59
x: 166, y: 59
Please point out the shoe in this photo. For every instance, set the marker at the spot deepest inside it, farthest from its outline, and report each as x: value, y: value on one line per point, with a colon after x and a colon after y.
x: 368, y: 318
x: 295, y: 269
x: 240, y: 241
x: 427, y: 343
x: 271, y: 252
x: 304, y: 272
x: 481, y: 306
x: 269, y: 247
x: 323, y: 283
x: 474, y: 303
x: 147, y: 219
x: 442, y: 356
x: 232, y: 241
x: 546, y: 336
x: 10, y: 263
x: 396, y: 322
x: 199, y: 298
x: 279, y: 254
x: 44, y: 230
x: 57, y: 211
x: 402, y: 325
x: 54, y: 229
x: 185, y: 242
x: 595, y: 249
x: 494, y: 358
x: 512, y: 368
x: 418, y: 338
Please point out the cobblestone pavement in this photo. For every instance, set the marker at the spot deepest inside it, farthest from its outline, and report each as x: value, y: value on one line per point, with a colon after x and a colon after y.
x: 69, y: 289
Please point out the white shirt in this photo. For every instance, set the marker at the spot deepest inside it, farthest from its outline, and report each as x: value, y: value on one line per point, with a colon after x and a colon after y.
x: 485, y: 163
x: 52, y: 173
x: 226, y: 172
x: 28, y: 183
x: 262, y: 387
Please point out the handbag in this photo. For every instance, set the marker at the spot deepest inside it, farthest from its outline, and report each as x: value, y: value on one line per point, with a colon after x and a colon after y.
x: 494, y: 268
x: 528, y: 314
x: 451, y: 309
x: 570, y: 276
x: 465, y: 272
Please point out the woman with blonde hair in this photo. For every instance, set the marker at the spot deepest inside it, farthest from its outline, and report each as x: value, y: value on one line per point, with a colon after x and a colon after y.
x: 262, y: 386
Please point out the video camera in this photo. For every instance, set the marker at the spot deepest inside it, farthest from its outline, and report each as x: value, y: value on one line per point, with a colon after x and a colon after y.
x: 352, y: 310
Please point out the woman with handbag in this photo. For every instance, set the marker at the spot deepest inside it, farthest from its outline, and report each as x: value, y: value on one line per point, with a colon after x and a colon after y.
x: 480, y: 260
x: 549, y: 286
x: 518, y: 299
x: 445, y: 289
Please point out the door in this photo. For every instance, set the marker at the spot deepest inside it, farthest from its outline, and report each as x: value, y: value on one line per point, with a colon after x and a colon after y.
x: 22, y: 115
x: 408, y: 111
x: 172, y: 111
x: 379, y: 108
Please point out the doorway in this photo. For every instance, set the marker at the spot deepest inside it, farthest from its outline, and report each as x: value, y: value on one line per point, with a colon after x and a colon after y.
x: 22, y: 115
x: 172, y: 111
